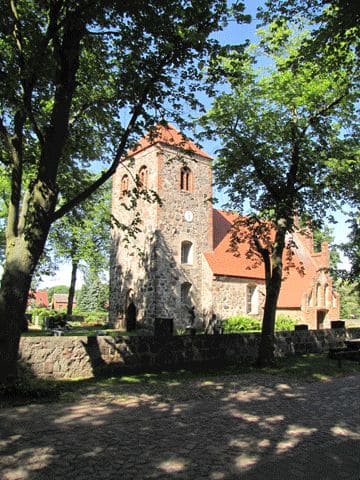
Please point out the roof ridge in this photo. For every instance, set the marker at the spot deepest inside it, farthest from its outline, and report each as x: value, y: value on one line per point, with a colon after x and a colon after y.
x: 167, y: 135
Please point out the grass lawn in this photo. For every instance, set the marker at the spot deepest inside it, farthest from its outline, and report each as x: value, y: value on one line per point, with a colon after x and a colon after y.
x: 172, y: 385
x: 79, y: 331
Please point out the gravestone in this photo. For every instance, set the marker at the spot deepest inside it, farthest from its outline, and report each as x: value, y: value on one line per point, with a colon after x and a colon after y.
x: 163, y: 327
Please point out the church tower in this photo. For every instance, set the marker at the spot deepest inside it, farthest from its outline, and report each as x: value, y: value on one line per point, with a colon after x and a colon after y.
x: 158, y: 272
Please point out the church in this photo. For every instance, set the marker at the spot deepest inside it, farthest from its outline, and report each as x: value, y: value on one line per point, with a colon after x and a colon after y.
x: 175, y: 259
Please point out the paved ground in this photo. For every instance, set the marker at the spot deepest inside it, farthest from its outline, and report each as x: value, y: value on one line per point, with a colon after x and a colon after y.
x: 249, y: 427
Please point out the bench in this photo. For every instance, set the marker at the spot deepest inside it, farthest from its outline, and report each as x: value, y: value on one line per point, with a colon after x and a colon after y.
x: 340, y: 354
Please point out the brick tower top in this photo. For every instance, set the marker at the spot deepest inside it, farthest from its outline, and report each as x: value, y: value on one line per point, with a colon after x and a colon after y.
x: 167, y: 135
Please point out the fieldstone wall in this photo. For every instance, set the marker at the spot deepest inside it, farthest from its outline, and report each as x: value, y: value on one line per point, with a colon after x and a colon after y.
x: 74, y: 357
x: 229, y: 296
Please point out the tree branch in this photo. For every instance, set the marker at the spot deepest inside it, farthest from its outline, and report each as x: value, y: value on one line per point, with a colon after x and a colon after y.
x: 119, y: 153
x: 324, y: 111
x: 28, y: 82
x: 6, y: 136
x: 265, y: 254
x: 293, y: 170
x: 78, y: 114
x: 16, y: 144
x: 67, y: 59
x: 17, y: 32
x: 108, y: 173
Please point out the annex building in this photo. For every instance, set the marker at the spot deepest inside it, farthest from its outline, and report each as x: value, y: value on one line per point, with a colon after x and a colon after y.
x: 179, y: 262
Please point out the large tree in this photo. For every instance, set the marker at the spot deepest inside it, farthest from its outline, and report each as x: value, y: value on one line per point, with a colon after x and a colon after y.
x: 82, y: 237
x: 80, y: 81
x: 279, y: 125
x: 335, y: 32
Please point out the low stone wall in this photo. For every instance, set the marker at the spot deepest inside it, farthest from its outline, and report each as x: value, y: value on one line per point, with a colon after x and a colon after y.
x: 74, y: 357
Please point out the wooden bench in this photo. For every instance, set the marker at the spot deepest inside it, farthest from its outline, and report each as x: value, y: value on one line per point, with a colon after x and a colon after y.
x: 340, y: 354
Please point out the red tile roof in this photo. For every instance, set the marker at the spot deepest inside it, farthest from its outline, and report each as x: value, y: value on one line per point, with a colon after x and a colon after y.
x: 169, y: 136
x: 297, y: 280
x: 60, y: 297
x: 39, y: 298
x: 221, y: 260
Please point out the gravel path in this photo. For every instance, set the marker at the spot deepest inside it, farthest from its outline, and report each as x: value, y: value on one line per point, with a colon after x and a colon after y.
x: 247, y: 427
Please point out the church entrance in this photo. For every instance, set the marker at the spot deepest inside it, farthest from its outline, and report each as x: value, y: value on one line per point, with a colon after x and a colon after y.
x: 130, y: 318
x: 131, y: 312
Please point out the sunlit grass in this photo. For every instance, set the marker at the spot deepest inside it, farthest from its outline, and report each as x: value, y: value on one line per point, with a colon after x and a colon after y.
x: 312, y: 367
x: 81, y: 332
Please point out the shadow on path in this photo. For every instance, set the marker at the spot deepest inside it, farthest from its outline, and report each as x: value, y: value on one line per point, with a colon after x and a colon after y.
x: 248, y: 427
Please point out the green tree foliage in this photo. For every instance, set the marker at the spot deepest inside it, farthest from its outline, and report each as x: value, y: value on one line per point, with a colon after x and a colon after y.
x: 335, y: 40
x: 335, y: 25
x: 82, y: 236
x: 350, y: 300
x: 278, y: 126
x: 326, y: 234
x: 352, y: 251
x: 93, y: 295
x: 80, y: 81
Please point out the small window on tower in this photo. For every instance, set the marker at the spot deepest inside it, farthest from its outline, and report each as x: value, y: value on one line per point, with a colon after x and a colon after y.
x: 124, y: 186
x: 185, y: 293
x: 326, y: 295
x: 143, y: 177
x: 186, y: 252
x: 318, y: 295
x: 186, y: 179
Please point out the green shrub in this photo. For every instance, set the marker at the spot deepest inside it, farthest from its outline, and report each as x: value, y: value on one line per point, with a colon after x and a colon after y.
x: 41, y: 314
x: 284, y: 322
x: 92, y: 318
x: 241, y: 324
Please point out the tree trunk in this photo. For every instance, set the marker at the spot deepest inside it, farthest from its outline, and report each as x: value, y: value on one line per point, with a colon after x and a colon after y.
x: 22, y: 255
x: 266, y: 353
x: 15, y: 285
x: 29, y: 220
x: 72, y: 288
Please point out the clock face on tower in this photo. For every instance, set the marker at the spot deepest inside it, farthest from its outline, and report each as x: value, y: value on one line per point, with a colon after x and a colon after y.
x: 188, y: 215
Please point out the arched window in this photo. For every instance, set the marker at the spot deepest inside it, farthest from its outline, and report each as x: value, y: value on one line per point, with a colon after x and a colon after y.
x: 251, y: 299
x: 326, y: 295
x: 185, y: 293
x: 318, y: 294
x: 310, y: 299
x: 143, y: 177
x: 124, y: 186
x: 186, y: 252
x: 186, y: 179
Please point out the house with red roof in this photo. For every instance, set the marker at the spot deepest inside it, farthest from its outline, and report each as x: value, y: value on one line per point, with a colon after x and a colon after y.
x: 38, y: 299
x: 59, y: 301
x: 181, y: 262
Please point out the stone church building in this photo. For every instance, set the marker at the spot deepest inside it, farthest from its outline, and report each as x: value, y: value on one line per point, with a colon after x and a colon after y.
x: 178, y: 265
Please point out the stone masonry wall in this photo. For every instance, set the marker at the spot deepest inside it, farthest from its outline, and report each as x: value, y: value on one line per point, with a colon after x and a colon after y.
x: 175, y: 229
x: 131, y: 263
x: 74, y: 357
x: 229, y: 296
x: 150, y: 265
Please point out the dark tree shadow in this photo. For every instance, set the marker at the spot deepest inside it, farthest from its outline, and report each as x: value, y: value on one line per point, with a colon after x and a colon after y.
x: 247, y: 427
